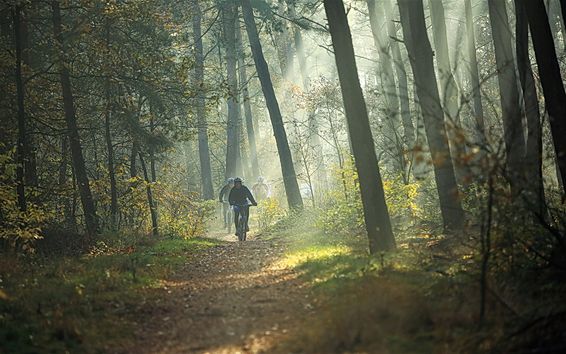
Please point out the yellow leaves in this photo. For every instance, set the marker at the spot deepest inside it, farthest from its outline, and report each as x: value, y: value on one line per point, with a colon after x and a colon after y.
x: 3, y: 295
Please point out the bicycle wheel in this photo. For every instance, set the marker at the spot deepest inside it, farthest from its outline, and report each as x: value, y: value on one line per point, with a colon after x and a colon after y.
x: 242, y: 228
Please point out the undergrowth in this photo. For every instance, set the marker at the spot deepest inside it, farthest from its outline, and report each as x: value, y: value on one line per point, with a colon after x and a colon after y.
x: 86, y: 304
x: 422, y: 298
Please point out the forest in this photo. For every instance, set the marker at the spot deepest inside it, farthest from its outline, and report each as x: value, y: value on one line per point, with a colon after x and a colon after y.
x: 405, y: 162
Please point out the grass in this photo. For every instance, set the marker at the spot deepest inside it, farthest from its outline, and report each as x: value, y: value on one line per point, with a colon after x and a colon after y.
x: 394, y: 303
x: 84, y: 304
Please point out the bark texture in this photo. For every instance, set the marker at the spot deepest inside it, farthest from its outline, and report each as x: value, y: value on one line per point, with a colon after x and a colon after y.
x: 376, y: 215
x: 288, y: 170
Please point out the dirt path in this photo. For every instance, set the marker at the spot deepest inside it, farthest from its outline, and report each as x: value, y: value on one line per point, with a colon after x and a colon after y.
x: 231, y: 299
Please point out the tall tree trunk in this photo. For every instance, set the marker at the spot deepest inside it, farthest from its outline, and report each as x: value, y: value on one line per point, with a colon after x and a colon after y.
x: 287, y: 169
x: 109, y: 146
x: 203, y: 148
x: 233, y: 158
x: 314, y: 130
x: 448, y: 88
x: 399, y: 63
x: 246, y: 102
x: 563, y: 11
x: 79, y: 166
x: 385, y: 72
x: 62, y: 181
x: 550, y: 76
x: 21, y: 147
x: 150, y: 201
x: 533, y: 153
x: 509, y: 94
x: 30, y: 167
x: 152, y: 147
x: 376, y: 215
x: 420, y: 55
x: 473, y: 70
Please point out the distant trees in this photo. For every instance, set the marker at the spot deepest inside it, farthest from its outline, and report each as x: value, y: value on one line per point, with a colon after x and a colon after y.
x: 111, y: 110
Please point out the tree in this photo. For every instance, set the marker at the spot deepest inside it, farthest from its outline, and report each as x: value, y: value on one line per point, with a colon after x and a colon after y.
x: 473, y: 69
x: 509, y: 94
x: 288, y: 170
x: 22, y: 141
x: 388, y: 86
x: 108, y: 137
x: 533, y: 152
x: 243, y: 76
x: 203, y: 148
x: 550, y: 77
x: 420, y: 55
x: 233, y: 155
x: 78, y: 161
x: 376, y: 215
x: 448, y: 89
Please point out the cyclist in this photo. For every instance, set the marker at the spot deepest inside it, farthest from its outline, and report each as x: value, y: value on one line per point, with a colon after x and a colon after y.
x: 261, y: 189
x: 241, y: 197
x: 223, y: 198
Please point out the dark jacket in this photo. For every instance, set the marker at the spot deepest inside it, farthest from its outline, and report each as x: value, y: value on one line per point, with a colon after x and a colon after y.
x: 241, y: 196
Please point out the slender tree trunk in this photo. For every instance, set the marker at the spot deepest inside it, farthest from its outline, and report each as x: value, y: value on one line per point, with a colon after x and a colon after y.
x: 150, y: 201
x: 283, y: 45
x: 151, y: 147
x: 288, y: 170
x: 62, y: 181
x: 246, y: 103
x: 203, y: 148
x: 314, y: 129
x: 233, y: 158
x: 533, y: 153
x: 448, y: 89
x: 109, y: 146
x: 30, y: 167
x: 510, y: 106
x: 473, y: 70
x: 420, y: 55
x: 550, y: 76
x: 133, y: 158
x: 399, y: 63
x: 79, y: 166
x: 386, y: 73
x: 376, y: 215
x: 21, y: 147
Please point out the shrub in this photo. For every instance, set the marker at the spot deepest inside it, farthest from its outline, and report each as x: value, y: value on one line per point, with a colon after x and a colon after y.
x: 18, y: 229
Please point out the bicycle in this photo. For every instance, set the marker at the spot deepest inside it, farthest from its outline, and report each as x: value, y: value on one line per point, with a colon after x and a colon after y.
x: 242, y: 228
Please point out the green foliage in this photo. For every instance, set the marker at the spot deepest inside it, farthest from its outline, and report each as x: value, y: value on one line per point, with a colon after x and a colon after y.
x: 83, y: 304
x: 269, y: 210
x: 184, y: 215
x: 342, y: 212
x: 18, y: 229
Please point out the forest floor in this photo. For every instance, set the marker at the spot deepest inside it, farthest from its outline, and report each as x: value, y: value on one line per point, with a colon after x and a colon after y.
x: 233, y: 298
x: 290, y: 289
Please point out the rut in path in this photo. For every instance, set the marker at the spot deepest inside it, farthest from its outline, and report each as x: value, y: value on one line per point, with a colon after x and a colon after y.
x: 231, y: 298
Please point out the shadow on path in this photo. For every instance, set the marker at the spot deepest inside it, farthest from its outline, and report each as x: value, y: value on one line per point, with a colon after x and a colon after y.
x: 230, y: 299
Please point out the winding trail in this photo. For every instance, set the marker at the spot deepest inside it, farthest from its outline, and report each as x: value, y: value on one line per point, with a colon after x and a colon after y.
x: 231, y: 298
